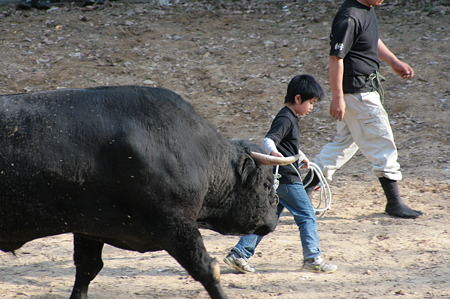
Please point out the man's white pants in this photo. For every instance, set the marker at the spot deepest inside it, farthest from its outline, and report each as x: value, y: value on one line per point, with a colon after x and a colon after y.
x: 365, y: 126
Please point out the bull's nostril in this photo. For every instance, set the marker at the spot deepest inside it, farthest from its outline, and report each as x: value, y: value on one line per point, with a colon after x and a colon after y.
x: 263, y: 230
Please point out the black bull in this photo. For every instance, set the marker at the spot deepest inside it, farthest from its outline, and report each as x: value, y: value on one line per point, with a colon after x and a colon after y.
x: 133, y: 167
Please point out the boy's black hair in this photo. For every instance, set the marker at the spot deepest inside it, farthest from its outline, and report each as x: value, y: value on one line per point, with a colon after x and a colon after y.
x: 306, y: 86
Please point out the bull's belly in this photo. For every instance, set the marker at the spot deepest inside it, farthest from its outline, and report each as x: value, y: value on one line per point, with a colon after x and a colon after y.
x: 116, y: 229
x: 142, y: 245
x: 129, y: 239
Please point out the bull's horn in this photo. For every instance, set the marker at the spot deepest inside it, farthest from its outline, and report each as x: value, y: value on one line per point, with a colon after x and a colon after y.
x: 272, y: 160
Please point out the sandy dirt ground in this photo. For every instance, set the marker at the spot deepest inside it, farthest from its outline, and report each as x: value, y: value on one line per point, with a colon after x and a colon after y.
x: 233, y: 61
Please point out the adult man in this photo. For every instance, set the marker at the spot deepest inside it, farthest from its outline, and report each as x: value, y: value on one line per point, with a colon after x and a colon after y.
x: 357, y: 97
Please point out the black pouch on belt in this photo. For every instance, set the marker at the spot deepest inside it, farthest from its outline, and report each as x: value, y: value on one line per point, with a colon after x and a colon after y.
x: 375, y: 81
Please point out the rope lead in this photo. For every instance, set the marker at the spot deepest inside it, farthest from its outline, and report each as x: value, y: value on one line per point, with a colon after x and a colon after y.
x: 375, y: 81
x: 324, y: 201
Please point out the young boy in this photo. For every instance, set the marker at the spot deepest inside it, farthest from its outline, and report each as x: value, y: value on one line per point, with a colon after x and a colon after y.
x: 283, y: 139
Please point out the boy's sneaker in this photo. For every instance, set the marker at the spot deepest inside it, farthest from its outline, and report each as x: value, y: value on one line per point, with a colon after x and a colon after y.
x: 238, y: 263
x: 318, y: 265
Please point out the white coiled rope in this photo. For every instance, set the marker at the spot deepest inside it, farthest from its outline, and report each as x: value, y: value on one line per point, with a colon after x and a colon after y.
x: 323, y: 202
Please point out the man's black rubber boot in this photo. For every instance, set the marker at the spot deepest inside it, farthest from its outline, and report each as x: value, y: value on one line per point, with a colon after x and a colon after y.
x: 24, y: 4
x: 28, y: 4
x: 395, y: 206
x: 43, y: 4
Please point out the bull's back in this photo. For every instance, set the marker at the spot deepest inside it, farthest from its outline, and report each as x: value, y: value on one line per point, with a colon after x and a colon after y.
x: 71, y: 159
x: 64, y: 130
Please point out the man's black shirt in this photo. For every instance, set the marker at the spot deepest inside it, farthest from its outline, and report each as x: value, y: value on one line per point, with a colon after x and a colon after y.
x: 354, y: 37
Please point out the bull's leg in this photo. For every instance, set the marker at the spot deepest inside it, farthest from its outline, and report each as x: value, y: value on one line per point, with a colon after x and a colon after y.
x: 88, y: 262
x: 187, y: 247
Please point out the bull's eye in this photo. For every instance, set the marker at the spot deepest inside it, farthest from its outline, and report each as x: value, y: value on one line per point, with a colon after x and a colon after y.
x: 268, y: 186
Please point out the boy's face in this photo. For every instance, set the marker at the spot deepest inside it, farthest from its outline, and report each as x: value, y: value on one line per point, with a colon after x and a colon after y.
x: 305, y: 107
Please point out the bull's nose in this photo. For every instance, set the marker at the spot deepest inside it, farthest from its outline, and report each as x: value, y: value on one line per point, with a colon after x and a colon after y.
x: 264, y: 230
x: 269, y: 225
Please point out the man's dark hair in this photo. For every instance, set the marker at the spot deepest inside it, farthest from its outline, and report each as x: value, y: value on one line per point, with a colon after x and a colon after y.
x: 306, y: 86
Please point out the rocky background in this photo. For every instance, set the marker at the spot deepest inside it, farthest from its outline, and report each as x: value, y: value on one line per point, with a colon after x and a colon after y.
x: 232, y: 60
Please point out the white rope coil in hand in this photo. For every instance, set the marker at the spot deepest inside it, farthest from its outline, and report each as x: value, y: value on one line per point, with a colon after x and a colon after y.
x: 323, y: 203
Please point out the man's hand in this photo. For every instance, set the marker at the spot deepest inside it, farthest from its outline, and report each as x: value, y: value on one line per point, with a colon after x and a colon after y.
x: 403, y: 69
x: 337, y: 108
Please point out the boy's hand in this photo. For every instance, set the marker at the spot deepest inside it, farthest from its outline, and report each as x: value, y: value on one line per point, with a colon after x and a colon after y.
x: 305, y: 160
x: 276, y: 154
x: 305, y: 163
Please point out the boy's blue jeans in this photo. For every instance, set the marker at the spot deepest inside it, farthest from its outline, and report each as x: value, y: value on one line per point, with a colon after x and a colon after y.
x: 294, y: 198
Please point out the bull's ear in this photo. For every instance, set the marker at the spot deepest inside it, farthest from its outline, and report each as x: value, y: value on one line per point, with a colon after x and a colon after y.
x: 247, y: 167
